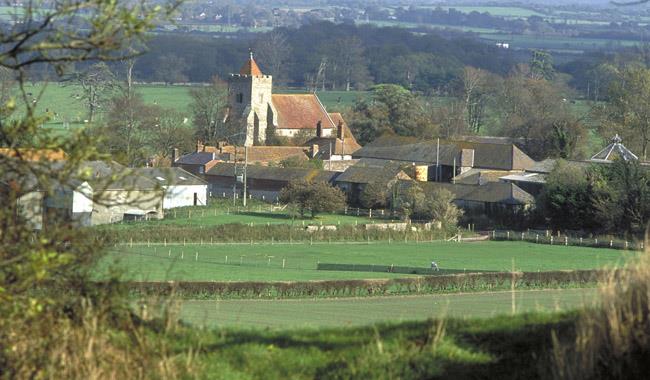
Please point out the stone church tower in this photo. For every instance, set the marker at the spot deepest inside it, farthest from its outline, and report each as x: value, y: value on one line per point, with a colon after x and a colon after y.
x: 249, y: 96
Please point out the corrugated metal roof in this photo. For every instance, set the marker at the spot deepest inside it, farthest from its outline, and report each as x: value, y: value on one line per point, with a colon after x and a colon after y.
x: 172, y: 176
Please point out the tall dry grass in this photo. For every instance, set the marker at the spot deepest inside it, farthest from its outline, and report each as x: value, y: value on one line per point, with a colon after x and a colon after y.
x: 91, y: 344
x: 612, y: 341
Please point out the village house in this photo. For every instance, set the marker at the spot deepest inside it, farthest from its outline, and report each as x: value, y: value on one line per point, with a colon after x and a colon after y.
x: 251, y: 98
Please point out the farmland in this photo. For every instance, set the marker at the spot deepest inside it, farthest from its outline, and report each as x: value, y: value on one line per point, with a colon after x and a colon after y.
x: 355, y: 312
x: 264, y: 262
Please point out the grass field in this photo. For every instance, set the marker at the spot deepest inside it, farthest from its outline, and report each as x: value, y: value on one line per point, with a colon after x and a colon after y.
x: 556, y: 43
x: 365, y: 311
x: 264, y: 262
x: 67, y: 110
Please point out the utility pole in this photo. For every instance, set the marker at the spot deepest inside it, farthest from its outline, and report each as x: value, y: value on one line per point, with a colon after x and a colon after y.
x: 245, y: 174
x: 437, y: 176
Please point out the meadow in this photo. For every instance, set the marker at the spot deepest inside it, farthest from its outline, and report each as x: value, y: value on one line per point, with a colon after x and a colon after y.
x: 298, y: 262
x: 332, y: 312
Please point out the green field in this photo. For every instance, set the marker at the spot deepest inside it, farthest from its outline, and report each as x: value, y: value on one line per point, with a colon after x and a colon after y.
x: 264, y: 262
x: 365, y: 311
x: 67, y: 110
x: 555, y: 43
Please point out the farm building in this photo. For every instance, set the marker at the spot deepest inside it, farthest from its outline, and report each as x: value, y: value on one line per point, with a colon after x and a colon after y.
x: 251, y: 98
x: 355, y: 178
x: 181, y: 187
x: 444, y: 160
x: 100, y: 199
x: 492, y: 199
x: 263, y: 182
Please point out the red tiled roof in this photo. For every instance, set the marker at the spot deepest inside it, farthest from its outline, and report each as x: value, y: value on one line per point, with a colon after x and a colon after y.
x: 338, y: 118
x: 301, y: 111
x: 250, y: 68
x: 29, y: 154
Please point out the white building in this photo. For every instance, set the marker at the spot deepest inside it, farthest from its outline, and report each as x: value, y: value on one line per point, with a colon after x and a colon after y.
x: 181, y: 187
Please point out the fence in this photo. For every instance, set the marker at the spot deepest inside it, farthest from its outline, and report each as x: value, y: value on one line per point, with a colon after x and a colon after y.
x: 546, y: 237
x: 386, y: 269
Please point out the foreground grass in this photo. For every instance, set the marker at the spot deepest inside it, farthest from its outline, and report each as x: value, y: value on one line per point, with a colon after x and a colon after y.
x: 264, y: 262
x: 500, y: 347
x: 365, y: 311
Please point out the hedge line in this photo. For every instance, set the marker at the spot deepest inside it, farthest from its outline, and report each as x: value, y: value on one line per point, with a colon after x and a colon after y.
x: 244, y: 233
x: 380, y: 287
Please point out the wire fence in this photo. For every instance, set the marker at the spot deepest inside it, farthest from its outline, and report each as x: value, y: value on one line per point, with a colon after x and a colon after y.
x: 547, y: 237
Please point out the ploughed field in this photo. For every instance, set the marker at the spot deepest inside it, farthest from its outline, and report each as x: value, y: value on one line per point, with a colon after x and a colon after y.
x: 328, y: 312
x: 298, y: 262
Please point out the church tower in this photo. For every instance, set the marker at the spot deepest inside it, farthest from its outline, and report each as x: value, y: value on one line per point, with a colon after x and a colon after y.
x: 249, y: 97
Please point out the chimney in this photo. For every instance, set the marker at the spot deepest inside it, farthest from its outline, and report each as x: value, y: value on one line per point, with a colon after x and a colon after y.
x: 175, y: 155
x: 466, y: 159
x: 319, y: 129
x: 199, y: 146
x: 339, y: 130
x: 313, y: 151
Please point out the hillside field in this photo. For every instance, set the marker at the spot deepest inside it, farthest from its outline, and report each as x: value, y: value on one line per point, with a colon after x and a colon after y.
x: 264, y: 262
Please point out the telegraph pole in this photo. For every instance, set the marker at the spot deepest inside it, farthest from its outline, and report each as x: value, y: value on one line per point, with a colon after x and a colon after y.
x: 245, y: 173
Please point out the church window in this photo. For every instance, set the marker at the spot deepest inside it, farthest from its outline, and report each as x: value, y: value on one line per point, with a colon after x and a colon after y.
x: 240, y: 98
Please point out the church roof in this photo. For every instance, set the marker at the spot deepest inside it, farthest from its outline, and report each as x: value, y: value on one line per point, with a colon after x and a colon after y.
x: 250, y: 68
x: 614, y: 150
x: 301, y: 111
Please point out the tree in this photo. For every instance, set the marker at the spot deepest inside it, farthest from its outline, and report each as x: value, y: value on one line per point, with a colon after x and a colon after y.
x: 97, y: 84
x: 125, y: 129
x: 272, y: 51
x: 541, y: 65
x: 374, y: 195
x: 170, y: 69
x: 50, y: 332
x: 622, y: 199
x: 628, y: 110
x: 566, y: 199
x: 391, y: 109
x: 209, y: 109
x: 169, y: 130
x: 315, y: 197
x: 536, y: 111
x: 347, y: 63
x: 438, y: 206
x: 409, y: 201
x: 475, y: 94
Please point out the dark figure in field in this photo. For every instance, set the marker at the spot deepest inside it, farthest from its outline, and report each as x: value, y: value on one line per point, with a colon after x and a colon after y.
x: 434, y: 266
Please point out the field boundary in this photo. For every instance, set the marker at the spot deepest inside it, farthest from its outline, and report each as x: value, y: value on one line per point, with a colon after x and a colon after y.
x: 455, y: 283
x: 546, y: 237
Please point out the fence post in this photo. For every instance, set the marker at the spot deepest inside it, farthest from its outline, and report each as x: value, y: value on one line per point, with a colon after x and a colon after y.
x: 358, y: 211
x: 508, y: 235
x: 165, y: 242
x: 189, y: 213
x: 183, y: 242
x: 283, y: 262
x: 201, y: 241
x: 626, y: 244
x: 551, y: 239
x: 580, y: 241
x: 346, y: 210
x: 169, y: 254
x: 370, y: 213
x: 566, y: 240
x: 196, y: 257
x: 131, y: 243
x: 536, y: 238
x: 611, y: 243
x: 596, y: 241
x: 226, y: 259
x: 147, y: 243
x: 522, y: 236
x: 182, y: 254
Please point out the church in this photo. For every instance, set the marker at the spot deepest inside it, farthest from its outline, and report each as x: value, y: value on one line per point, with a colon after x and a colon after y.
x: 251, y: 98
